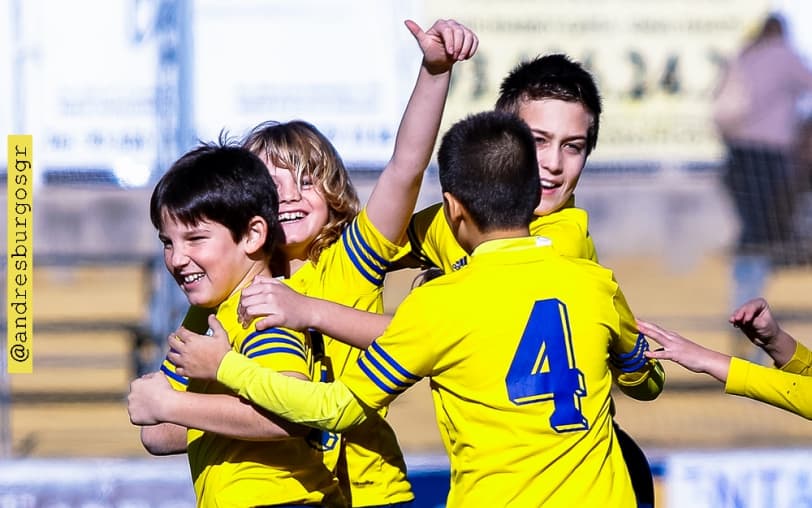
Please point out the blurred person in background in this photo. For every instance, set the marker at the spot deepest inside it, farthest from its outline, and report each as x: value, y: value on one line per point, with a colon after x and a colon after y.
x: 756, y: 113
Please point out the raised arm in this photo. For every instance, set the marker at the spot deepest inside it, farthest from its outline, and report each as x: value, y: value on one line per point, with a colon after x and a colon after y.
x: 393, y: 199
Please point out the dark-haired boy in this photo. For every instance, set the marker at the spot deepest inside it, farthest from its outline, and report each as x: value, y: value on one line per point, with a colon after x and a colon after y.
x: 560, y: 102
x: 521, y: 384
x: 216, y: 214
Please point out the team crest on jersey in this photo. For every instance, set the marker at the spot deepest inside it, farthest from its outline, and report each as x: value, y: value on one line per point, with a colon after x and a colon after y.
x: 460, y: 263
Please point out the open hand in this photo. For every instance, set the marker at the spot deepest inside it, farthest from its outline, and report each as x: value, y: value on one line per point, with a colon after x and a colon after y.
x: 685, y: 352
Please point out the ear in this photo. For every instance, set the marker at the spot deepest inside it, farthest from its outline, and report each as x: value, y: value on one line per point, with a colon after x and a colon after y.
x: 255, y: 235
x: 453, y: 209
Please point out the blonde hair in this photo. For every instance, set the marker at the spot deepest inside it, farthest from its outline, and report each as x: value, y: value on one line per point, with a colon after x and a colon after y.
x: 300, y: 148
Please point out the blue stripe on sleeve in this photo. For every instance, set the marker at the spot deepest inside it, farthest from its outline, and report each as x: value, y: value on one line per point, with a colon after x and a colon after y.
x: 360, y: 252
x: 359, y: 239
x: 375, y: 379
x: 641, y: 340
x: 391, y: 361
x: 271, y: 335
x: 278, y: 349
x: 177, y: 377
x: 634, y: 360
x: 401, y: 385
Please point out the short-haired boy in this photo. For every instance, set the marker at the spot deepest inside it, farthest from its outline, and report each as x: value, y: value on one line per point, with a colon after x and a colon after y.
x: 520, y: 382
x: 216, y: 214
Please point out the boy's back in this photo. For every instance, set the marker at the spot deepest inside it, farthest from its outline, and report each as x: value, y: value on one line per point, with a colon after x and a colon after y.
x: 516, y: 345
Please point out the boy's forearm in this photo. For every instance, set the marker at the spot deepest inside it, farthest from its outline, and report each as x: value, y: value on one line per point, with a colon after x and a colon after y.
x: 164, y: 439
x: 781, y: 348
x: 227, y: 415
x: 420, y: 124
x: 716, y: 364
x: 392, y: 202
x: 325, y: 406
x: 349, y: 325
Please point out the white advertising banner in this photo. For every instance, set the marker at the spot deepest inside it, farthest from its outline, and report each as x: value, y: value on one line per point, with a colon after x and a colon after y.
x: 740, y: 479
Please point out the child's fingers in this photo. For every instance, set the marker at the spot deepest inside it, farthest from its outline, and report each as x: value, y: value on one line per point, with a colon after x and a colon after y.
x: 446, y: 30
x: 468, y: 46
x: 474, y: 46
x: 658, y: 354
x: 414, y: 29
x: 267, y: 322
x: 648, y: 328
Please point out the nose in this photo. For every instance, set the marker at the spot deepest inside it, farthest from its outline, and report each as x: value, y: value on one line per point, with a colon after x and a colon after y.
x: 550, y: 159
x: 175, y: 258
x: 288, y: 191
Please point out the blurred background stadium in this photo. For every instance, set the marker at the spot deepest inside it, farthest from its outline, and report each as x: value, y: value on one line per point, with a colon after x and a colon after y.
x: 113, y: 90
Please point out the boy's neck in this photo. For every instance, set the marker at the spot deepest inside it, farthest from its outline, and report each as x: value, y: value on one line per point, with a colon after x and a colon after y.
x: 258, y: 268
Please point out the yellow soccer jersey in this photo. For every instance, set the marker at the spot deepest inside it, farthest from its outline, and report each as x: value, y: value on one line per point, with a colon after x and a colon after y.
x: 234, y: 473
x: 433, y: 244
x: 786, y: 389
x: 351, y: 272
x: 518, y: 347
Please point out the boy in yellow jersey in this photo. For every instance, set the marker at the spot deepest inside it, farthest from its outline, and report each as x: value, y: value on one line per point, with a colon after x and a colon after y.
x: 521, y: 383
x: 560, y: 102
x: 332, y: 251
x: 216, y: 214
x: 789, y: 386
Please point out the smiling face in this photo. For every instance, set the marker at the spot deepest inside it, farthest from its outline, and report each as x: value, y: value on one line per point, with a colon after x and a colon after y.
x: 205, y: 261
x: 560, y: 130
x: 303, y: 211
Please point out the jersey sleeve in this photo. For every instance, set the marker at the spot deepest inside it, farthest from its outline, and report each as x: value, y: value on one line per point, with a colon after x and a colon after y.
x: 368, y: 252
x: 801, y: 361
x: 785, y: 390
x: 637, y: 376
x: 276, y: 348
x: 418, y: 232
x: 399, y: 358
x: 326, y: 406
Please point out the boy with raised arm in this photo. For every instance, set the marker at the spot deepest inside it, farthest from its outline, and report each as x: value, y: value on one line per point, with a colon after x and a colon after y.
x: 333, y: 249
x: 560, y: 102
x: 521, y: 382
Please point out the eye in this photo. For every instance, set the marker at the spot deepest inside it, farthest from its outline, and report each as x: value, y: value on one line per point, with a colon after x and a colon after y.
x: 307, y: 182
x: 540, y: 140
x: 574, y: 148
